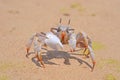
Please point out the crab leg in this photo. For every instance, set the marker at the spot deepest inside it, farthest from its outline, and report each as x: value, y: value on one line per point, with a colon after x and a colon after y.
x: 40, y: 37
x: 92, y: 56
x: 37, y: 50
x: 83, y: 41
x: 28, y: 45
x: 39, y: 58
x: 84, y: 50
x: 53, y: 30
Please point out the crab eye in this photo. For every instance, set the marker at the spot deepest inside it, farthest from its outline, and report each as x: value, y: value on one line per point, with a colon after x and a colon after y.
x: 67, y: 30
x: 58, y: 30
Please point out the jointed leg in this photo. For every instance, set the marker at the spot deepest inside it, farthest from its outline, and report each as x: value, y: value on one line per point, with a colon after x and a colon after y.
x: 93, y: 65
x: 39, y: 57
x: 27, y: 52
x: 84, y: 51
x: 92, y: 57
x: 53, y: 30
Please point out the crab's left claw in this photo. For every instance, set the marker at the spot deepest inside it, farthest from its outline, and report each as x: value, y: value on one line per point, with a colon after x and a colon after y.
x: 53, y: 41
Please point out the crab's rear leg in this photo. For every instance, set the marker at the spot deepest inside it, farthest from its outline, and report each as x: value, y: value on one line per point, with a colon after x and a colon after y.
x: 54, y: 30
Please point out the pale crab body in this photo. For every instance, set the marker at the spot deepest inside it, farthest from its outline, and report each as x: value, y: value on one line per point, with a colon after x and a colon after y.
x: 53, y: 41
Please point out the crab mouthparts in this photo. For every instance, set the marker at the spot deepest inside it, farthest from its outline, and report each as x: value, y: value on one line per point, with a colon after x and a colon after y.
x: 63, y: 35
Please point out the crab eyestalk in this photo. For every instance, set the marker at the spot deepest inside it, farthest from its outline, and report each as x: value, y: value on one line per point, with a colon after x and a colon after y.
x: 69, y: 22
x: 60, y: 20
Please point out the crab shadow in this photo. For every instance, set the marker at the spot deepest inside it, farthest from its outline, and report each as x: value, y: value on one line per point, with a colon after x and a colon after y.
x: 51, y: 54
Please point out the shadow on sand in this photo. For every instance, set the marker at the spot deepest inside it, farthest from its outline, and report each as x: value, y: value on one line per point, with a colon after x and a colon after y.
x: 51, y: 54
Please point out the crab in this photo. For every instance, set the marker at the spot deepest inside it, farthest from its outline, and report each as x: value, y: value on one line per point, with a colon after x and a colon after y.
x: 59, y: 36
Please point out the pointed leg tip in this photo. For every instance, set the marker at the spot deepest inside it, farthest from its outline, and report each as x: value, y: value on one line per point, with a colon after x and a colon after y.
x: 43, y: 66
x: 93, y: 66
x: 71, y: 50
x: 27, y: 56
x: 27, y: 49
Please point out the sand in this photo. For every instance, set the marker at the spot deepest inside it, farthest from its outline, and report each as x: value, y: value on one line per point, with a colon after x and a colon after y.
x: 19, y: 19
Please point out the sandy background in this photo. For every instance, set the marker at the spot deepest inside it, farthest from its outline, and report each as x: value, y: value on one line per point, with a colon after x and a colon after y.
x: 19, y: 19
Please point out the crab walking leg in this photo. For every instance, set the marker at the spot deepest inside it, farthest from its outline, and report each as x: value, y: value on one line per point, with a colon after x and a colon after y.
x: 28, y: 45
x: 39, y: 57
x: 37, y: 49
x: 92, y: 56
x: 85, y: 44
x: 84, y: 50
x: 54, y: 30
x: 89, y: 44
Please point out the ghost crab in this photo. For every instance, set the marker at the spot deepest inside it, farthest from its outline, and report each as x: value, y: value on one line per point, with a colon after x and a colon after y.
x: 59, y: 36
